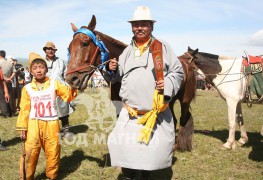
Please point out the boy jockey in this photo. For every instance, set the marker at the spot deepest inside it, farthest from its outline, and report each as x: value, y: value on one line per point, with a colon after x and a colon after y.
x: 38, y: 118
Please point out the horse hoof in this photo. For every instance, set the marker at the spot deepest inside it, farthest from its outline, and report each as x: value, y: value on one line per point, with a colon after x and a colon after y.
x: 229, y: 145
x: 242, y: 141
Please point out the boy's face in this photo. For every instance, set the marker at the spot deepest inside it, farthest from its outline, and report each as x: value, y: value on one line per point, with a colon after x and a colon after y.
x: 38, y: 70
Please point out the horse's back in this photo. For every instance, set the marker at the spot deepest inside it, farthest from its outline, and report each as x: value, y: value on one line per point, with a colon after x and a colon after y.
x: 231, y: 81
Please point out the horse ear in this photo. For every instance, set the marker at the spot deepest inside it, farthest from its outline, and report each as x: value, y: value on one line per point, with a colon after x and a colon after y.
x: 195, y: 52
x: 74, y: 28
x: 189, y: 49
x: 92, y: 23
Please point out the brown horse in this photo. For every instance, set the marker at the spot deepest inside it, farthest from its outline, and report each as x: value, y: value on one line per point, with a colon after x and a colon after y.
x: 85, y: 59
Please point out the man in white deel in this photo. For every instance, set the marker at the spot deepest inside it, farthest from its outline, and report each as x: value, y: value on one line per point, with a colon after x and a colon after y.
x: 57, y: 70
x: 150, y: 74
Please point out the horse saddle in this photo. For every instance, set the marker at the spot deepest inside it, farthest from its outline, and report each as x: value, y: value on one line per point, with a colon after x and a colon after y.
x: 252, y: 60
x: 252, y: 67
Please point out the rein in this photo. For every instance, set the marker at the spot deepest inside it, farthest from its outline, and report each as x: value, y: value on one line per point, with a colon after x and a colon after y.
x: 100, y: 47
x: 226, y: 73
x: 191, y: 60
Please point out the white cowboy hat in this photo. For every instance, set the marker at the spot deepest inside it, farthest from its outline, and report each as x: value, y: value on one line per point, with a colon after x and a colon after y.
x: 142, y: 13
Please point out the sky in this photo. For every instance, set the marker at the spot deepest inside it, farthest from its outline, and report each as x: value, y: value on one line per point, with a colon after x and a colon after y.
x: 222, y: 27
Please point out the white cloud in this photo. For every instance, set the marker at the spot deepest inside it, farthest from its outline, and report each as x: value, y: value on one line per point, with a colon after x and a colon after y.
x: 257, y: 38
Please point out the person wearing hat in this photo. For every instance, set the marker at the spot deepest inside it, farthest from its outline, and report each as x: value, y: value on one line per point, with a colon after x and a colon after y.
x: 37, y: 121
x: 57, y: 69
x: 135, y: 146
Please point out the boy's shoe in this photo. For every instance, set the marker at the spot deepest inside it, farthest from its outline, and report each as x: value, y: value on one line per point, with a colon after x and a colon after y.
x: 67, y: 134
x: 3, y: 148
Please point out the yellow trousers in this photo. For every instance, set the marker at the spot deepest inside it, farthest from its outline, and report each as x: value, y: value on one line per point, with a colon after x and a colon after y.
x: 43, y: 134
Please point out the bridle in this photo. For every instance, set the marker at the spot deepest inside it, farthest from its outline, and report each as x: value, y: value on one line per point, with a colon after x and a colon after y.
x: 191, y: 60
x: 99, y: 47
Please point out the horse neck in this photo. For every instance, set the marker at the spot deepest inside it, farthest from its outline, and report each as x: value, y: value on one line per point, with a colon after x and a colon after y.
x: 114, y: 46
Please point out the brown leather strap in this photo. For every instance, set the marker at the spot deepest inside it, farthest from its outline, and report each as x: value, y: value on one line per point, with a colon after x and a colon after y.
x: 156, y: 49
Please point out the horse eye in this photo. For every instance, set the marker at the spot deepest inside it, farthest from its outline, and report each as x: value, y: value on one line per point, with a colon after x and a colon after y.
x: 85, y: 44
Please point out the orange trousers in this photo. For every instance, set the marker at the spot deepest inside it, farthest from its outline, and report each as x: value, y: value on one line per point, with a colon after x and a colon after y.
x: 43, y: 134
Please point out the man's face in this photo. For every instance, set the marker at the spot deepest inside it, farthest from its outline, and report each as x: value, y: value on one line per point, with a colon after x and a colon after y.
x: 50, y: 53
x: 142, y: 30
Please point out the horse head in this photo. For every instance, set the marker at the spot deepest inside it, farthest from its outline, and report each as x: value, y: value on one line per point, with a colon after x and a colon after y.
x: 189, y: 56
x: 87, y: 52
x: 206, y: 64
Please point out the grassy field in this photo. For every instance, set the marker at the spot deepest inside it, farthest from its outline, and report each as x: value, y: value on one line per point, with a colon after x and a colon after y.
x: 86, y: 156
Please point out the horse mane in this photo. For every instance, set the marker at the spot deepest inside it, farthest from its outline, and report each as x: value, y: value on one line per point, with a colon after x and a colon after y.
x: 208, y: 55
x: 111, y: 40
x: 214, y: 56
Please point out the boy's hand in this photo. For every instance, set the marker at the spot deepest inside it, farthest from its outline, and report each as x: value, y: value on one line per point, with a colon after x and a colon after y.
x: 23, y: 135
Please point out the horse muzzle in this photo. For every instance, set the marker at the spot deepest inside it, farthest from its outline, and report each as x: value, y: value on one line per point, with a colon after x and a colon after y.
x: 78, y: 81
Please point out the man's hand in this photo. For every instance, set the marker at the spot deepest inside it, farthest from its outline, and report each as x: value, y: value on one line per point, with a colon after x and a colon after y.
x: 160, y: 85
x: 113, y: 64
x: 7, y: 97
x: 8, y: 80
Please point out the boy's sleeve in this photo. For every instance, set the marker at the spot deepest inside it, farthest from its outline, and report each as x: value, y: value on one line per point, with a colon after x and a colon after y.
x: 65, y: 92
x: 22, y: 120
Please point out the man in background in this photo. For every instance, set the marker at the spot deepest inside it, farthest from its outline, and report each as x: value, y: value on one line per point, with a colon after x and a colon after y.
x: 9, y: 72
x: 4, y: 95
x: 57, y: 70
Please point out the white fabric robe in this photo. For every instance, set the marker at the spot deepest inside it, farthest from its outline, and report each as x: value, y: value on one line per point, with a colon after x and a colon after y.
x: 57, y: 70
x: 138, y: 84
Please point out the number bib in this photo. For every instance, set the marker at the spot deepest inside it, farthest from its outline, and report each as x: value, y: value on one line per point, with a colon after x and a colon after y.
x: 43, y: 103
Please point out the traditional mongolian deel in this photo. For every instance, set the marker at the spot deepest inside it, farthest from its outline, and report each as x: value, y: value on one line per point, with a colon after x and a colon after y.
x: 137, y: 92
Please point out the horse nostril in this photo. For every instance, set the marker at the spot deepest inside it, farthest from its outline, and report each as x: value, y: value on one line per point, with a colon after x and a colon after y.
x: 75, y: 81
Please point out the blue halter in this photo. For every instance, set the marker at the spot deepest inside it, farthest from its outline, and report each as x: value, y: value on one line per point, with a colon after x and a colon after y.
x: 103, y: 50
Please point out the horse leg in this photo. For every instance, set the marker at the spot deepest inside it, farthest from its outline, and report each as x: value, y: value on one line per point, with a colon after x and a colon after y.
x: 232, y: 106
x: 171, y: 106
x: 186, y: 129
x: 243, y: 139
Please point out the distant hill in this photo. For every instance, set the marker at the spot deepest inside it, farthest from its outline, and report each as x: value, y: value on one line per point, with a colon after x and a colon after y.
x: 22, y: 61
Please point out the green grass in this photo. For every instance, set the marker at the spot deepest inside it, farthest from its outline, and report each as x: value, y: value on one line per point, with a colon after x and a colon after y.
x: 85, y: 158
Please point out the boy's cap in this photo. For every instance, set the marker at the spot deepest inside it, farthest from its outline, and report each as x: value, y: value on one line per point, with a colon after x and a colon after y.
x: 32, y: 57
